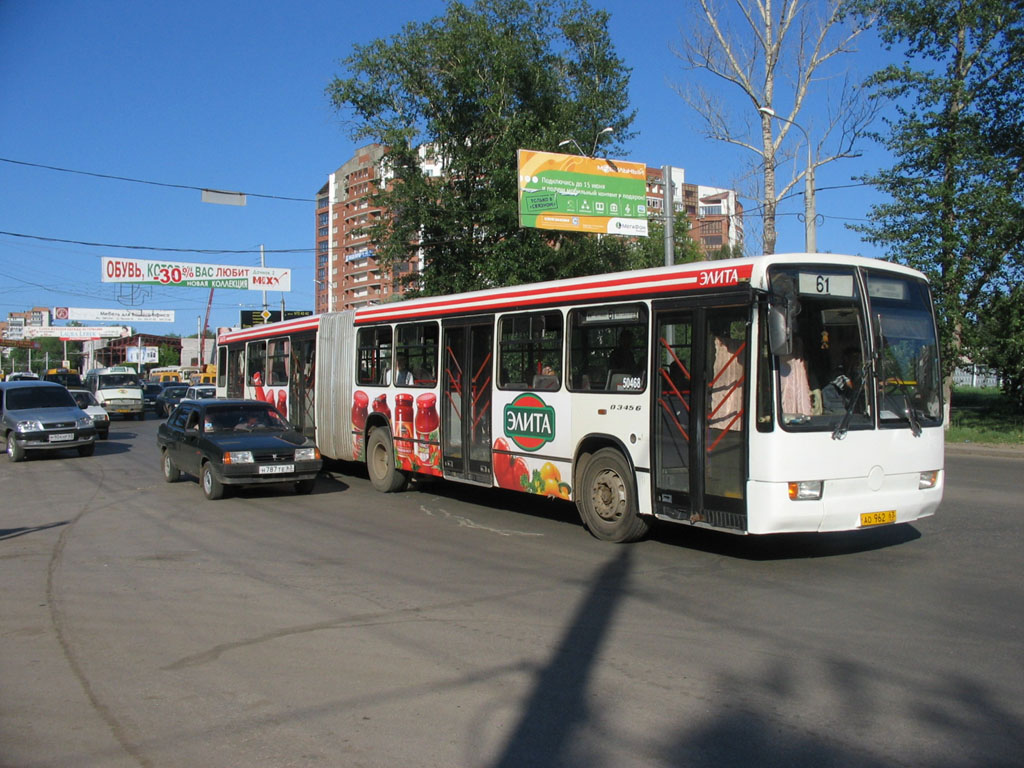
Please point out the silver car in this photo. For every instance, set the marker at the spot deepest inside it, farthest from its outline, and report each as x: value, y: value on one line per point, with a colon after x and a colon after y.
x: 42, y: 416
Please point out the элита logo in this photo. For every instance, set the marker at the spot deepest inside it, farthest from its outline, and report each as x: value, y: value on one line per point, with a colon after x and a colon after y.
x: 529, y: 422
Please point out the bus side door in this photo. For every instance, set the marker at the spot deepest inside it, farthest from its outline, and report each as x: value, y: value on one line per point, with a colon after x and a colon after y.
x: 700, y: 396
x: 466, y: 384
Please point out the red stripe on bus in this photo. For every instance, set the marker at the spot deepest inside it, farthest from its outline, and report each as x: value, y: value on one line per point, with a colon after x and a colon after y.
x: 610, y: 289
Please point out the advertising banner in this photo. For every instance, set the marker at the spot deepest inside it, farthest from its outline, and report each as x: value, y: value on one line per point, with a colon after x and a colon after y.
x: 195, y: 275
x: 149, y: 354
x: 114, y: 315
x: 76, y: 332
x: 582, y: 194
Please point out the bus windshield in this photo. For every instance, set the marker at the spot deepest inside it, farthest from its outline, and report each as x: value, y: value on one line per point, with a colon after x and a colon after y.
x: 110, y: 380
x: 908, y: 359
x: 821, y: 382
x: 828, y: 381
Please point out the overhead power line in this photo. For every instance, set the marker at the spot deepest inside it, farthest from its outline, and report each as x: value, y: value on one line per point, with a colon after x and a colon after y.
x: 144, y: 181
x: 204, y: 251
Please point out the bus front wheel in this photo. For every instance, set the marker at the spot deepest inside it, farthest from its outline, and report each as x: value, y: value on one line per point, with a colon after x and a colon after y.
x: 380, y: 463
x: 607, y: 500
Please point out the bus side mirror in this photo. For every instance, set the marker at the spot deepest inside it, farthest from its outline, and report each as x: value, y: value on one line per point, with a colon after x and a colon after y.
x: 780, y: 333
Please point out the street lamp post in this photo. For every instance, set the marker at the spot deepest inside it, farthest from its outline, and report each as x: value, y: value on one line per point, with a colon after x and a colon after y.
x: 810, y: 231
x: 593, y: 151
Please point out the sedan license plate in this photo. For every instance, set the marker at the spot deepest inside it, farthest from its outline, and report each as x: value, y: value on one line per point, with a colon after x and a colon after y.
x: 60, y: 437
x: 878, y: 518
x: 277, y: 469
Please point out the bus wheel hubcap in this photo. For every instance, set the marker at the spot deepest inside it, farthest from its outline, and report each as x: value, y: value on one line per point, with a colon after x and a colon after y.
x: 609, y: 496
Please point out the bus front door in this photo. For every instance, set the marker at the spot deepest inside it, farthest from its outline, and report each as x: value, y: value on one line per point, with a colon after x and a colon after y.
x: 466, y: 400
x: 699, y: 407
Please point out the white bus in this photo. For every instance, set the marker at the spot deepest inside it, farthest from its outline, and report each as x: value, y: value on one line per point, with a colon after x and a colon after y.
x: 781, y: 393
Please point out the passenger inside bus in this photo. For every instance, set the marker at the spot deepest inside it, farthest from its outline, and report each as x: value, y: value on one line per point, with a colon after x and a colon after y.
x: 547, y: 379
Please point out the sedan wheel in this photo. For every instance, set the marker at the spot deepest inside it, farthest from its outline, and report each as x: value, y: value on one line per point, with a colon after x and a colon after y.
x: 213, y: 489
x: 14, y: 453
x: 171, y: 471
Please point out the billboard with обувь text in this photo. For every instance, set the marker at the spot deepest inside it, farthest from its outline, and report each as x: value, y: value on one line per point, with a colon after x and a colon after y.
x: 582, y: 194
x: 195, y: 275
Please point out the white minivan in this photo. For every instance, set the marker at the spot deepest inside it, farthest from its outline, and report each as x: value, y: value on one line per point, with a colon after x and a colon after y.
x: 117, y: 390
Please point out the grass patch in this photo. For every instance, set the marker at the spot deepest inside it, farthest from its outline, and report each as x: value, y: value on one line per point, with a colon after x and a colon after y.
x: 985, y: 416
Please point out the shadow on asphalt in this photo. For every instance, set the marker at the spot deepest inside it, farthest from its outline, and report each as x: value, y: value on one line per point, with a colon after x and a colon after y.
x: 779, y: 546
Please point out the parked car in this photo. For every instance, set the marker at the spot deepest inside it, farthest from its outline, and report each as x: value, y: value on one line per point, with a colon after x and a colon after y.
x: 87, y: 401
x: 42, y: 416
x: 169, y: 397
x: 22, y: 376
x: 235, y: 442
x: 200, y: 392
x: 150, y: 392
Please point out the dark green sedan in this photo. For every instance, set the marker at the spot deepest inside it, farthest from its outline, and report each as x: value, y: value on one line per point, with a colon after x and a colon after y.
x: 235, y: 442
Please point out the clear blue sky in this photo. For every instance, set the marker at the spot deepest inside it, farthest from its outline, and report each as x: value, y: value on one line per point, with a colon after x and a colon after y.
x: 230, y: 95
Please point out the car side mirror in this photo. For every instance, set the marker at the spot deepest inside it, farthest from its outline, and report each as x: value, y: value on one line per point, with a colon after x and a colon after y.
x: 780, y: 331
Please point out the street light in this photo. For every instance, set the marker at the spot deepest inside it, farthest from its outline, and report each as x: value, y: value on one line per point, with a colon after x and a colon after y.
x: 810, y: 233
x: 597, y: 138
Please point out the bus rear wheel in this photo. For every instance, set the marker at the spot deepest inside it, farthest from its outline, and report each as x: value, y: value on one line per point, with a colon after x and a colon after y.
x: 607, y: 498
x: 380, y: 463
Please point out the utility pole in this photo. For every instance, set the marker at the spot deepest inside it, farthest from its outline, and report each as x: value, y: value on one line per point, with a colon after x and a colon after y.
x: 668, y: 206
x: 263, y: 263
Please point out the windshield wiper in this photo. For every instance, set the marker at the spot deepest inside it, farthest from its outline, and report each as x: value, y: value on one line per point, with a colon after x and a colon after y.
x: 909, y: 412
x: 843, y: 427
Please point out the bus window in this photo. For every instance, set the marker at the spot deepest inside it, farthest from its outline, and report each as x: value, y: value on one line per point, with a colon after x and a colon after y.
x: 608, y: 348
x: 417, y: 343
x: 256, y: 354
x: 530, y: 351
x: 373, y: 355
x: 277, y: 362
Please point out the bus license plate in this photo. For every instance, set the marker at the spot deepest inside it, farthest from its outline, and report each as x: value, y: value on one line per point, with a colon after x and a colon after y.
x: 60, y: 437
x: 878, y: 518
x: 277, y: 469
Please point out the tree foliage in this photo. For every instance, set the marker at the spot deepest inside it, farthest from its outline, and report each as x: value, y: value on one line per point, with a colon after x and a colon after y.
x: 470, y: 88
x: 650, y: 251
x: 956, y: 187
x: 49, y: 353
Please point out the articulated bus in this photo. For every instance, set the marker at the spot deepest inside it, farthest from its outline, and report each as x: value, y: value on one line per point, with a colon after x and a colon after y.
x: 784, y: 393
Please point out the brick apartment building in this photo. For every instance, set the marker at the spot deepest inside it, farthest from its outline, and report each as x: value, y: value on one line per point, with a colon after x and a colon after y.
x: 346, y: 272
x: 715, y: 214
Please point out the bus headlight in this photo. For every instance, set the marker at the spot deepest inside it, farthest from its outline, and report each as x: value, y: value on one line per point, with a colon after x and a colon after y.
x: 928, y: 480
x: 238, y: 457
x: 806, y: 490
x: 306, y: 454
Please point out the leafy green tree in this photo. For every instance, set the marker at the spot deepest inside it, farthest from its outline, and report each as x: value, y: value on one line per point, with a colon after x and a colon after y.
x: 956, y: 187
x: 168, y: 355
x: 470, y: 88
x: 1002, y: 341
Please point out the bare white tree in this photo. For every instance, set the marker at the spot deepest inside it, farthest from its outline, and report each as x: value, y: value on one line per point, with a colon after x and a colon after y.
x: 778, y: 54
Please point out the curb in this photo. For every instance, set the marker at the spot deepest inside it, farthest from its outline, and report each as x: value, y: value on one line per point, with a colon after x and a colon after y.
x: 986, y: 449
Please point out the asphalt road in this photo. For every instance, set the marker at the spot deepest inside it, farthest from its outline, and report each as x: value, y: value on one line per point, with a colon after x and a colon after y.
x: 141, y: 625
